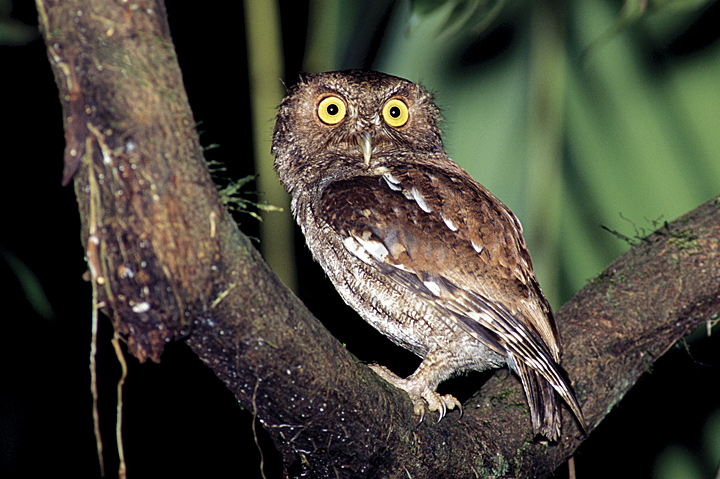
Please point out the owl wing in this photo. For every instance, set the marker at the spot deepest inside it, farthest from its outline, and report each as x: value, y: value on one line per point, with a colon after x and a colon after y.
x: 450, y: 241
x: 444, y: 237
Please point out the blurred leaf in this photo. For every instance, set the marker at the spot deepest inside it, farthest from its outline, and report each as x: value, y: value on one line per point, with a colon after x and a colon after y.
x: 459, y: 15
x: 29, y: 283
x: 265, y: 67
x: 634, y: 10
x: 676, y: 462
x: 427, y: 7
x: 14, y: 33
x: 676, y: 5
x: 712, y: 440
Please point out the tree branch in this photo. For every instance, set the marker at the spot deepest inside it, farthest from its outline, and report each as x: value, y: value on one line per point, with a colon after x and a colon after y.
x: 168, y: 262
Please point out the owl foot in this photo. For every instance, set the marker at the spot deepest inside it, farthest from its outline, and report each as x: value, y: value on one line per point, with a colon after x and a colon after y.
x: 418, y: 390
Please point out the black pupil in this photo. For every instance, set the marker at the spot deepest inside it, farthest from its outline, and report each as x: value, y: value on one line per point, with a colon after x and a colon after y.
x: 333, y: 109
x: 394, y: 112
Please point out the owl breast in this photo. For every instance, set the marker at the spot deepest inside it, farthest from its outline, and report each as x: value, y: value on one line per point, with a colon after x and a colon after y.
x: 394, y: 308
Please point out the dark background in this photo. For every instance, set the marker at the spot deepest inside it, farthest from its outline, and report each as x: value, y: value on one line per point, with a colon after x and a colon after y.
x: 178, y: 418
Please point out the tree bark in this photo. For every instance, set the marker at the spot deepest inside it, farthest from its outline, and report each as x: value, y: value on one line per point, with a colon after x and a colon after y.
x: 168, y: 263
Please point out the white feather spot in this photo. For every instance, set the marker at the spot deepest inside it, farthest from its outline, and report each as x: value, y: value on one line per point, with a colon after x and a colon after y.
x: 392, y: 182
x: 353, y: 246
x: 404, y: 268
x: 433, y: 287
x: 476, y: 246
x: 420, y: 200
x: 366, y: 249
x: 449, y: 223
x: 375, y: 248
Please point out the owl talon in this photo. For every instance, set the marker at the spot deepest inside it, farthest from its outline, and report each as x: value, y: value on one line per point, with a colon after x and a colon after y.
x: 441, y: 404
x: 418, y: 392
x: 419, y: 410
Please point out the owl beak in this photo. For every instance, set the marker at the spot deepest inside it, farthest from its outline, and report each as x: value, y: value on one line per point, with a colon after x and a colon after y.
x: 365, y: 144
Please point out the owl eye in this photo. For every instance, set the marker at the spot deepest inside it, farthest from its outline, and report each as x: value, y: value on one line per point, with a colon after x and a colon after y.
x: 331, y: 110
x: 395, y: 113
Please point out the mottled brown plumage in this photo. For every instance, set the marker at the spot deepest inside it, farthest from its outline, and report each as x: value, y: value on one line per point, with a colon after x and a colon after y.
x: 418, y: 248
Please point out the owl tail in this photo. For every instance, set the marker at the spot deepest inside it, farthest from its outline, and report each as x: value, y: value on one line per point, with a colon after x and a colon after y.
x: 540, y: 389
x: 544, y: 410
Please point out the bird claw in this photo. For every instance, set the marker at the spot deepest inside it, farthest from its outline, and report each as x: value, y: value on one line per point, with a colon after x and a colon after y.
x: 419, y: 392
x: 441, y: 404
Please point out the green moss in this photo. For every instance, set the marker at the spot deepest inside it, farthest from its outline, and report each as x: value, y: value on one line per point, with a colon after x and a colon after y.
x: 506, y: 398
x: 235, y: 196
x: 684, y: 240
x: 499, y: 468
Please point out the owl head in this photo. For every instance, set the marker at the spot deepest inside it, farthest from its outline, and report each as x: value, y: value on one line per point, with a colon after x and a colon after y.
x: 348, y: 121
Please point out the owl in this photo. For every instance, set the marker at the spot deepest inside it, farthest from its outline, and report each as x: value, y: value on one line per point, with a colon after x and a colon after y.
x: 413, y: 243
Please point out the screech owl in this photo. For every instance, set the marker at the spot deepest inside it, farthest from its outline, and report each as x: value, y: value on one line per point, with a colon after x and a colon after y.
x: 416, y: 246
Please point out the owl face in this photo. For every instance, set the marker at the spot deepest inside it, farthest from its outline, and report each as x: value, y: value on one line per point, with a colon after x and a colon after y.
x: 354, y: 120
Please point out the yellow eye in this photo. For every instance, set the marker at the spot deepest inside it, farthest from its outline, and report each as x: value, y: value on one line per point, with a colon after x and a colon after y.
x: 331, y: 110
x: 395, y: 113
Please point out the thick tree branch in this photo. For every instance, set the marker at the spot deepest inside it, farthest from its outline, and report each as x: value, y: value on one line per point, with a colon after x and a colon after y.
x: 168, y: 262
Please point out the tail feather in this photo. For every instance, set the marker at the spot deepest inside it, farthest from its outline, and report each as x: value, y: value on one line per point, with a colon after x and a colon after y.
x: 543, y: 402
x: 541, y: 398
